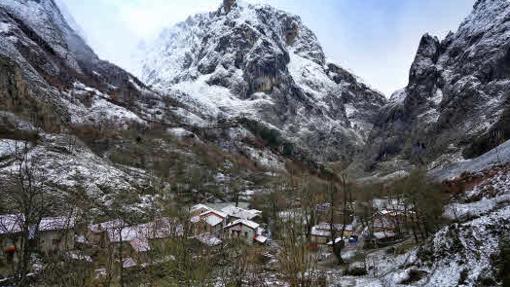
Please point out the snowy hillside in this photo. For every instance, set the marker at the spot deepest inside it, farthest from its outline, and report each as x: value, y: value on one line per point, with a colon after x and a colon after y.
x: 256, y: 62
x: 456, y: 100
x: 498, y: 156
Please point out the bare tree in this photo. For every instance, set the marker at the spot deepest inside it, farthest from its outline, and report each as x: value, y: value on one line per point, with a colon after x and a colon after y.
x: 297, y: 264
x: 25, y: 194
x: 340, y: 199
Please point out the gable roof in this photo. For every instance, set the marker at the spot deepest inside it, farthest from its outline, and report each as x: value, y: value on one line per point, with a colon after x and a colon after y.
x: 12, y: 223
x: 248, y: 223
x: 56, y: 223
x: 199, y: 208
x: 211, y: 217
x: 241, y: 213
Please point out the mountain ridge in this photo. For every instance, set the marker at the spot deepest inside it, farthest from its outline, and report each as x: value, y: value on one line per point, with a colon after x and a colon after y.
x: 263, y: 64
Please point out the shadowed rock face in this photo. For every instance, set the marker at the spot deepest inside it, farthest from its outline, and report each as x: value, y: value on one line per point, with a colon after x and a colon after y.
x: 457, y: 97
x: 262, y: 64
x: 227, y: 5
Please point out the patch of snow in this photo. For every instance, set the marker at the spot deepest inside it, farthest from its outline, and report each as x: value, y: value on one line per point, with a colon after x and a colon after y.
x: 100, y: 109
x: 9, y: 147
x: 4, y: 27
x: 497, y: 156
x: 398, y: 97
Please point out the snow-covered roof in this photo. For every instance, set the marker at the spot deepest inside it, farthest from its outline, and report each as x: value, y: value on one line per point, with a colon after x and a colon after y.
x: 11, y: 223
x: 248, y: 223
x: 211, y: 217
x: 157, y: 229
x: 125, y: 234
x: 200, y: 207
x: 261, y: 239
x: 320, y: 232
x: 129, y: 263
x: 57, y: 223
x: 338, y: 239
x: 241, y: 213
x: 323, y: 229
x: 213, y: 220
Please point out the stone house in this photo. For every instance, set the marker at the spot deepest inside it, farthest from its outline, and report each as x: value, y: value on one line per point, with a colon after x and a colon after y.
x: 56, y: 234
x: 245, y: 230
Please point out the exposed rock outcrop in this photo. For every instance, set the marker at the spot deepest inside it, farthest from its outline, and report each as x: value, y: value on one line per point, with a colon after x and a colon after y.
x: 261, y: 64
x: 457, y: 99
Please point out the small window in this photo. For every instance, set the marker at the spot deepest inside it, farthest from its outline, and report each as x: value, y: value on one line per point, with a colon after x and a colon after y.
x: 246, y: 234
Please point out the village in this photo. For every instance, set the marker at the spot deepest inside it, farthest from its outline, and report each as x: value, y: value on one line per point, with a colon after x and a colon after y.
x: 113, y: 247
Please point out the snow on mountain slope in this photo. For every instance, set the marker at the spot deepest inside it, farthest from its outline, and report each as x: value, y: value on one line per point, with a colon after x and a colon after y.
x: 256, y: 62
x: 457, y: 99
x: 463, y: 253
x: 498, y: 156
x: 66, y: 164
x: 52, y: 60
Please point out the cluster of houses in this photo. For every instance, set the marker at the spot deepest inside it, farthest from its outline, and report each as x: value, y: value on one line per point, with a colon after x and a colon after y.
x: 132, y: 243
x: 384, y: 226
x: 50, y: 234
x: 211, y: 226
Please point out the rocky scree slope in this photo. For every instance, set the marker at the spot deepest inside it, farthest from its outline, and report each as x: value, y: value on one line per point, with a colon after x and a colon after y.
x: 256, y: 67
x: 456, y: 103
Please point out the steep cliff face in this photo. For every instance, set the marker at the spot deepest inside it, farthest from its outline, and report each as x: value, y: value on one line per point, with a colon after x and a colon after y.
x: 457, y: 98
x: 255, y: 63
x: 61, y: 71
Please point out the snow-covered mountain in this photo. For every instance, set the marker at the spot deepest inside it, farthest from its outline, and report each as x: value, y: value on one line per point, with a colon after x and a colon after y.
x: 258, y: 64
x: 52, y: 88
x: 457, y: 100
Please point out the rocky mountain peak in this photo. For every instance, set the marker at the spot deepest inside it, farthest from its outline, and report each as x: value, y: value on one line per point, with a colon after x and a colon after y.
x: 264, y: 64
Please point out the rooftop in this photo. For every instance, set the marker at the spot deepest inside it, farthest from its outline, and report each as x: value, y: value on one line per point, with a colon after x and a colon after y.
x: 241, y: 213
x: 249, y: 223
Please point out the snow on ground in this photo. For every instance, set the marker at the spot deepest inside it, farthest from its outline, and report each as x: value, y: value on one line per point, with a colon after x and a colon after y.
x: 65, y: 163
x: 9, y: 147
x: 264, y: 157
x: 88, y: 105
x: 4, y: 27
x: 499, y: 155
x: 460, y: 253
x: 216, y: 101
x: 311, y: 77
x: 482, y: 216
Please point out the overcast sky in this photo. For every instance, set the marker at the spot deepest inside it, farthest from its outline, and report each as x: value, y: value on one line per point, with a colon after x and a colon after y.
x: 375, y: 39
